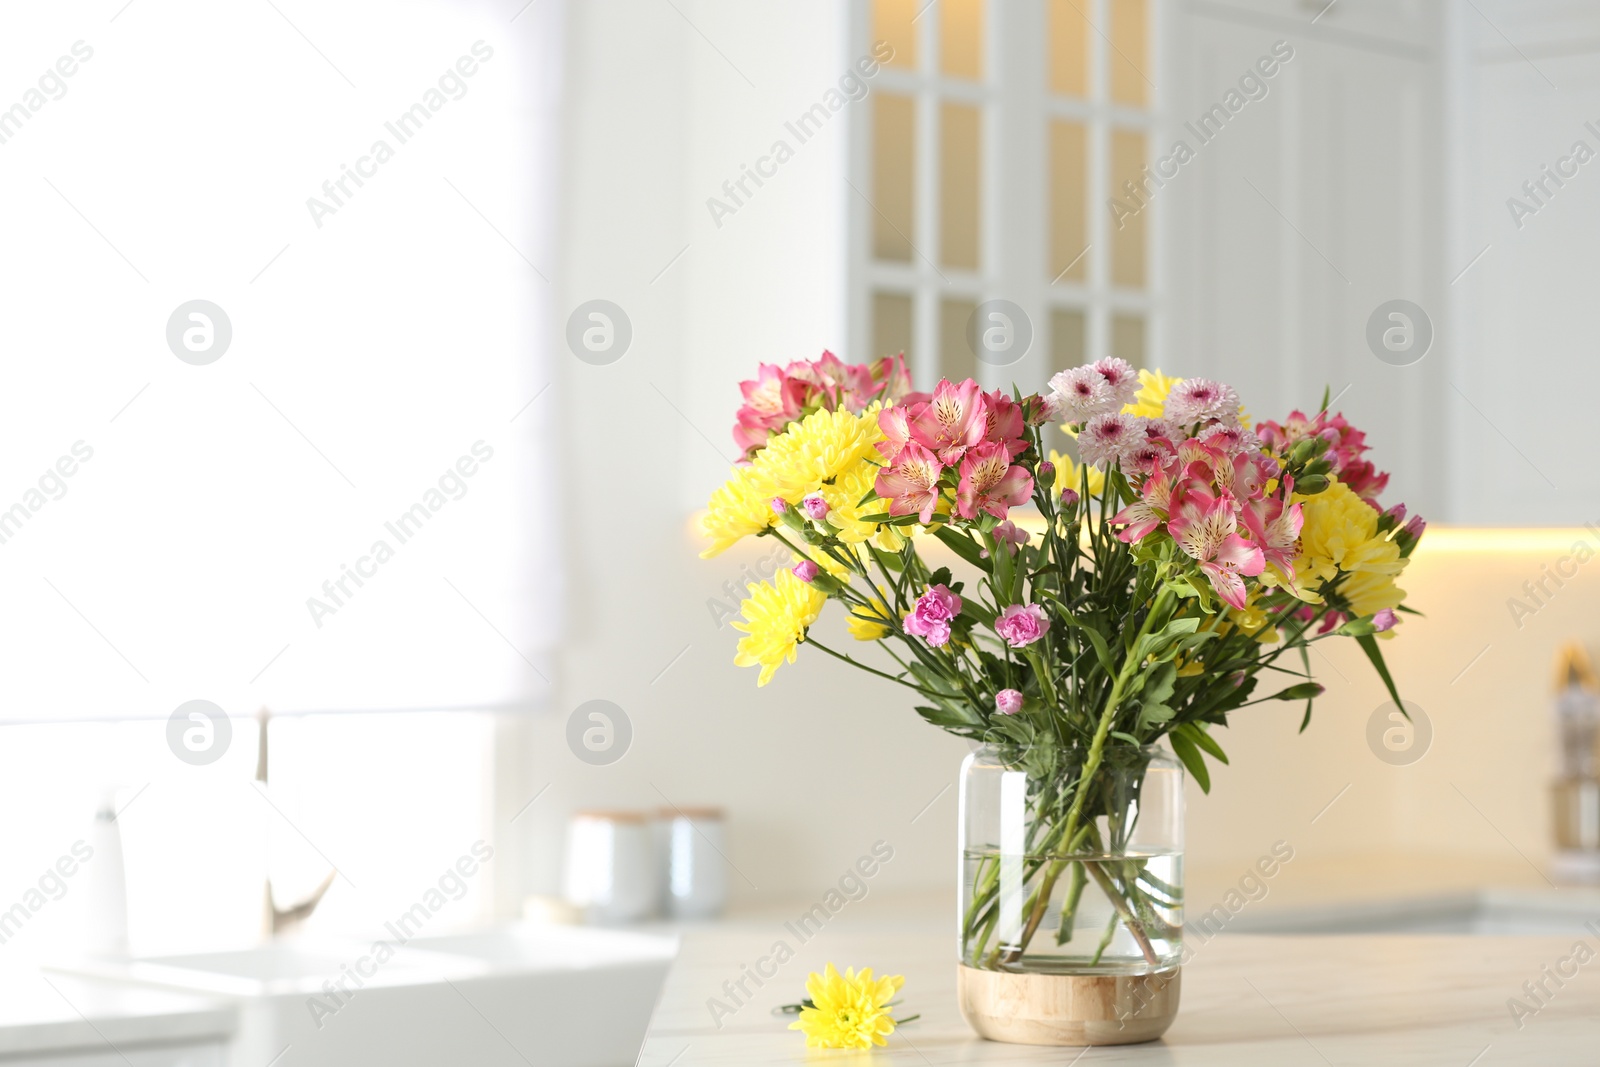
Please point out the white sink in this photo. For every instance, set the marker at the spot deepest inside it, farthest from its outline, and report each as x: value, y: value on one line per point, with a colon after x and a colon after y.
x: 1519, y: 912
x: 567, y: 996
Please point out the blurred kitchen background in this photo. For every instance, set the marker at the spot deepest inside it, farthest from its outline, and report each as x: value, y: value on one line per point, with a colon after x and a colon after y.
x: 937, y: 154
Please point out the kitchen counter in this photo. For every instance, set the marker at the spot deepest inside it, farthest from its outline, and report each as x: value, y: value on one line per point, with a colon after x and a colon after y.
x: 1247, y: 1000
x: 45, y: 1012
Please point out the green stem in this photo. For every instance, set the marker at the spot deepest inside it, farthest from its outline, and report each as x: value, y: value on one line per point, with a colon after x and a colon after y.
x: 1091, y: 765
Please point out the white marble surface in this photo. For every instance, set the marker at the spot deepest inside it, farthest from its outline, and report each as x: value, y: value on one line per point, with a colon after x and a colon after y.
x: 1248, y: 1001
x: 47, y: 1012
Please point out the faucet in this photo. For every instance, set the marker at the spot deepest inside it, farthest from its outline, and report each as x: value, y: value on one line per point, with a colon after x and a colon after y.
x: 276, y: 920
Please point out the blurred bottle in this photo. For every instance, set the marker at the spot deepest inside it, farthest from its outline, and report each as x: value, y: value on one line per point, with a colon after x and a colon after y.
x: 1576, y: 791
x: 106, y: 921
x: 692, y: 845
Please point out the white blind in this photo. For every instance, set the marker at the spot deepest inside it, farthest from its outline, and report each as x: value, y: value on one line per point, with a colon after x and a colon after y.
x: 349, y: 507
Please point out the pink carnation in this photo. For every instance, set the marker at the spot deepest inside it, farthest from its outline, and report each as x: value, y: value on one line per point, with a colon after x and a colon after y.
x: 1022, y: 625
x: 1008, y: 701
x: 930, y: 617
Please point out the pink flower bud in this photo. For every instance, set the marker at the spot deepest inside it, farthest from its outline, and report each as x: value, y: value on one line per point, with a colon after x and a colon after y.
x: 1008, y: 702
x: 1397, y: 514
x: 1047, y: 470
x: 1069, y: 498
x: 815, y: 507
x: 1384, y: 620
x: 805, y: 570
x: 1415, y: 526
x: 779, y: 505
x: 1008, y: 533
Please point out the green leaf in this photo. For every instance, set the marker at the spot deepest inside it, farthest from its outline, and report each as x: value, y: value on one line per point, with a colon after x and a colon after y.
x: 1303, y: 691
x: 947, y: 718
x: 1183, y: 587
x: 1197, y: 733
x: 1151, y: 714
x: 1168, y: 640
x: 965, y: 548
x: 1185, y: 750
x: 978, y: 610
x: 1120, y: 736
x: 1369, y: 645
x: 1102, y: 651
x: 1158, y: 682
x: 1305, y: 660
x: 1357, y: 628
x: 940, y: 577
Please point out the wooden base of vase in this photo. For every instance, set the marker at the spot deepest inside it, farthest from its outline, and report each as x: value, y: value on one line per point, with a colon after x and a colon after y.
x: 1068, y: 1009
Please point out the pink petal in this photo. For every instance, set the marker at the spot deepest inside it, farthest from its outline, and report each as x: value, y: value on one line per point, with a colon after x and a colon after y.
x: 1229, y: 586
x: 1240, y: 555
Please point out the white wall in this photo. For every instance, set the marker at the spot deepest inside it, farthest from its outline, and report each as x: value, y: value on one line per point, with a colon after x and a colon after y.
x: 824, y: 761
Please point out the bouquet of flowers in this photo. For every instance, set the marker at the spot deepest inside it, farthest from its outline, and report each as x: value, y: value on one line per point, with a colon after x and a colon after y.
x: 1067, y: 612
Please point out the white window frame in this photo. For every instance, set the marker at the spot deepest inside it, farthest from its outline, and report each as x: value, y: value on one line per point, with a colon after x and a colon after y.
x: 1014, y: 205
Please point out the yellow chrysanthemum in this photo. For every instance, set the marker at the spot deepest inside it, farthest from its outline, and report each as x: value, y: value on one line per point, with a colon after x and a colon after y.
x: 1369, y: 593
x: 811, y: 452
x: 851, y: 1009
x: 818, y: 449
x: 1069, y: 475
x: 775, y: 620
x: 844, y: 501
x: 865, y: 625
x: 1151, y: 399
x: 1254, y: 621
x: 1341, y: 533
x: 740, y: 508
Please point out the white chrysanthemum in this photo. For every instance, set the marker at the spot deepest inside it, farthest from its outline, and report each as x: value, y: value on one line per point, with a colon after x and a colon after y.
x: 1080, y: 394
x: 1231, y: 439
x: 1120, y: 376
x: 1196, y: 399
x: 1162, y: 428
x: 1107, y: 437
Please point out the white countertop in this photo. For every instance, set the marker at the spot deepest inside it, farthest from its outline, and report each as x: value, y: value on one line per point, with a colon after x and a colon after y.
x: 1247, y: 1000
x: 44, y: 1011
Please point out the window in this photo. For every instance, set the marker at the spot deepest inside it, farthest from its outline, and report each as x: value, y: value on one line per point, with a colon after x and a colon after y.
x: 276, y: 440
x: 1005, y: 158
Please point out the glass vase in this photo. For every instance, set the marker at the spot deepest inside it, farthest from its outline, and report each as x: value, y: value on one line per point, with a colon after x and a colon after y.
x: 1070, y: 921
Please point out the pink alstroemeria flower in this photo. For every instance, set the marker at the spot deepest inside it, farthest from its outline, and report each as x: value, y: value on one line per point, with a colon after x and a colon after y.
x: 1206, y: 528
x: 990, y: 483
x: 912, y: 483
x: 1140, y: 518
x: 952, y: 422
x: 893, y: 422
x: 1004, y: 422
x: 1276, y: 528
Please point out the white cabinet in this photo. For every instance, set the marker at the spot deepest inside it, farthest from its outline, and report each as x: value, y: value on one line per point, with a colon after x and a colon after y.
x: 1305, y: 209
x: 1384, y: 164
